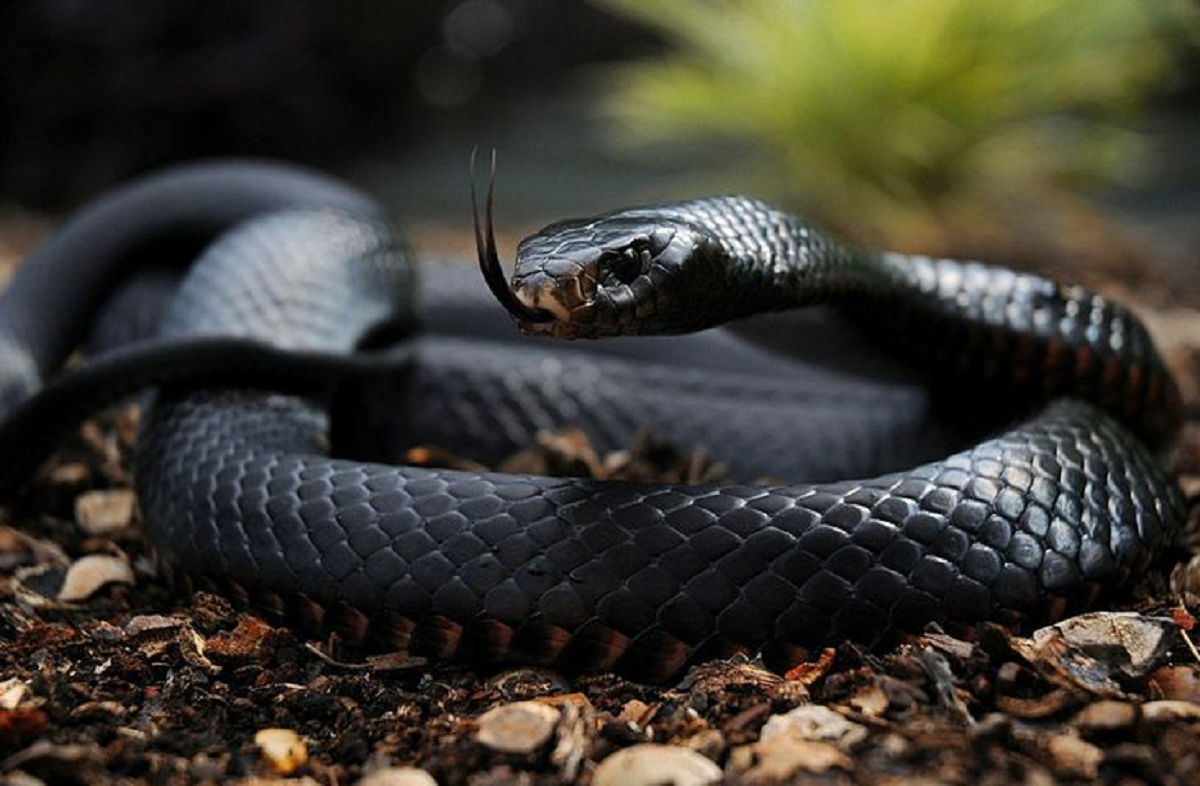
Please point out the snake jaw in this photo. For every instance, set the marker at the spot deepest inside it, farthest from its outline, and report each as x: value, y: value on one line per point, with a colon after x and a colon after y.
x: 489, y: 260
x: 545, y: 300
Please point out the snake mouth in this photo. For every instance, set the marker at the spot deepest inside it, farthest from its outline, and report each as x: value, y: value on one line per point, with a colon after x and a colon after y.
x: 489, y: 260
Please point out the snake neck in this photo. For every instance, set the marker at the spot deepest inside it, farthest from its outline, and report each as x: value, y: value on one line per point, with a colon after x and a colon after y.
x: 767, y: 259
x: 988, y: 326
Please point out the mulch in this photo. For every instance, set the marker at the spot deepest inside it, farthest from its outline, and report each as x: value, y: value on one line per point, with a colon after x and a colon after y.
x: 107, y: 676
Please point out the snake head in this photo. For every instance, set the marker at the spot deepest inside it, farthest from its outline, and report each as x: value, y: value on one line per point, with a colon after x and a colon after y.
x: 622, y: 274
x: 638, y: 271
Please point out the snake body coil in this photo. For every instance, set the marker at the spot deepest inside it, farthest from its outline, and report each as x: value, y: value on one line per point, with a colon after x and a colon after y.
x: 275, y: 317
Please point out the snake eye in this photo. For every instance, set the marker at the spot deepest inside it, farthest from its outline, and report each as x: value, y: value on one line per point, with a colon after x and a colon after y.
x: 626, y: 265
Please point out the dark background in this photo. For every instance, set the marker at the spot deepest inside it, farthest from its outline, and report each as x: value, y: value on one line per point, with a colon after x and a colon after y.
x: 92, y: 93
x: 393, y: 96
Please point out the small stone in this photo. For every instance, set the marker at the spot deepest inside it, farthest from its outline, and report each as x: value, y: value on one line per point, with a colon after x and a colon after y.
x: 814, y: 723
x: 519, y: 728
x: 398, y: 776
x: 104, y: 512
x: 89, y: 574
x: 655, y: 765
x: 1106, y: 716
x: 283, y: 749
x: 1075, y: 758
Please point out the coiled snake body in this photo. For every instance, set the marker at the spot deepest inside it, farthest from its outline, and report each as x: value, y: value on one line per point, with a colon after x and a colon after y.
x: 304, y: 299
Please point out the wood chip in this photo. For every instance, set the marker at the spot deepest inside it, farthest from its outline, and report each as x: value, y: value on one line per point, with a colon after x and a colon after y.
x: 283, y: 749
x: 14, y: 694
x: 104, y: 512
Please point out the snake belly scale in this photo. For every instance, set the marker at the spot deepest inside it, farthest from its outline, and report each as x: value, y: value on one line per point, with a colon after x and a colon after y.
x: 239, y: 492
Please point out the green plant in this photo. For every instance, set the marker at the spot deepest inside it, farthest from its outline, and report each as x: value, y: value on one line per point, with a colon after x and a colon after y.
x: 893, y: 115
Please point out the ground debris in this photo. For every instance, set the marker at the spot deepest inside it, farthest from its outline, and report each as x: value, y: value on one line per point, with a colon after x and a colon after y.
x: 283, y: 749
x: 129, y: 682
x: 88, y: 575
x: 654, y: 765
x: 520, y: 728
x: 397, y: 776
x: 569, y: 453
x: 104, y: 512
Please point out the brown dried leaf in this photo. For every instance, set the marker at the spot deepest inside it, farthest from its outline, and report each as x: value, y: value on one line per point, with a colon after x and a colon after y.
x: 251, y: 640
x: 1091, y: 651
x: 808, y: 673
x: 89, y: 574
x: 1043, y: 706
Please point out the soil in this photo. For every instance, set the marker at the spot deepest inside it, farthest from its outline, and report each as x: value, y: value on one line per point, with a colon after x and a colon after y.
x: 108, y: 676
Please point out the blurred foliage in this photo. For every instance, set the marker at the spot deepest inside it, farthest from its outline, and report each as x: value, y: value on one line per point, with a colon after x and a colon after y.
x: 894, y: 120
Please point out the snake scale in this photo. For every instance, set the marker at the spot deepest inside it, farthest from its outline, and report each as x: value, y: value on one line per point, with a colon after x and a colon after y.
x: 291, y: 310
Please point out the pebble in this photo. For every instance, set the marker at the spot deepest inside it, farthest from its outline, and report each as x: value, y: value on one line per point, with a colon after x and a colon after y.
x: 519, y: 728
x: 398, y: 776
x: 104, y: 512
x: 814, y: 723
x: 283, y: 749
x: 87, y: 575
x: 655, y: 765
x: 1106, y: 716
x: 1075, y: 758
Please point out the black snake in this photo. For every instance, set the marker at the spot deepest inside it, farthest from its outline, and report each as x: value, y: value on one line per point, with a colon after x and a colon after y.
x: 297, y: 318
